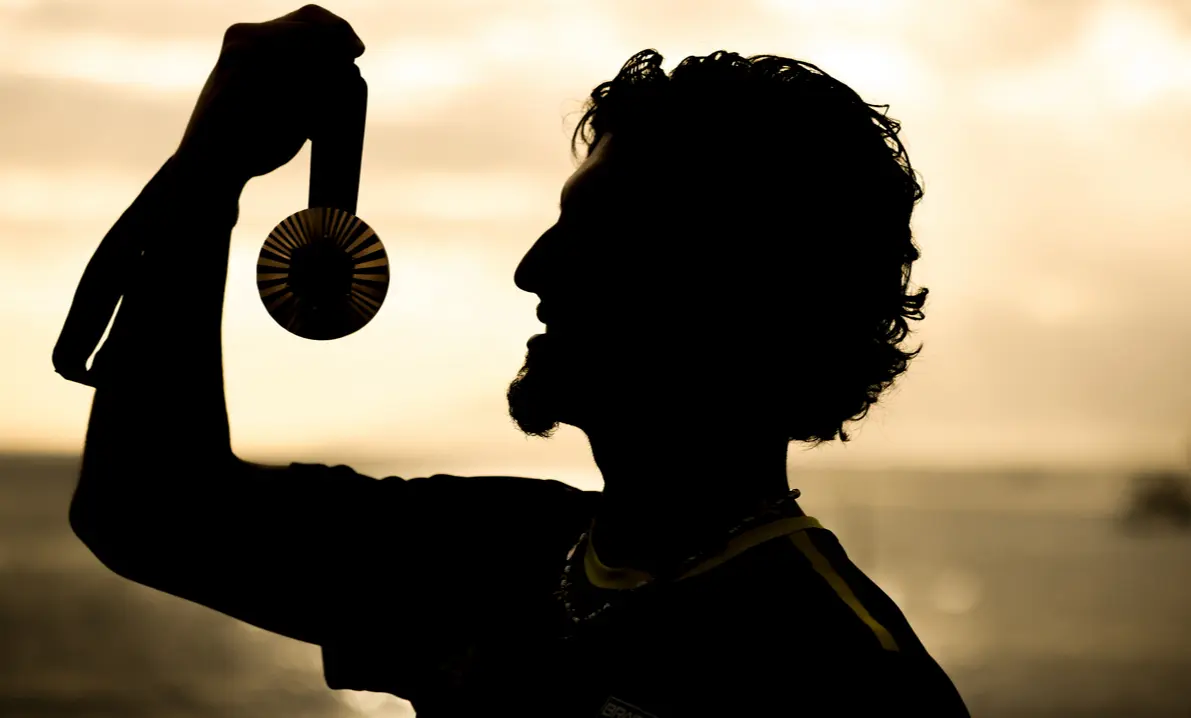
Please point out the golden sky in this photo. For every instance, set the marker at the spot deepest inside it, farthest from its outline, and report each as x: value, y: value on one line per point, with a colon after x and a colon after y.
x: 1052, y: 137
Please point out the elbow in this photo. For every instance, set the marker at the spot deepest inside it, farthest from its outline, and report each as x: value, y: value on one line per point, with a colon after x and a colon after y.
x: 117, y: 549
x: 83, y: 514
x: 99, y: 533
x: 106, y: 531
x: 138, y: 520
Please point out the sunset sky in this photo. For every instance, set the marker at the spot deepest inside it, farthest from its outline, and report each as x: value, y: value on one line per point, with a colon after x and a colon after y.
x: 1052, y: 137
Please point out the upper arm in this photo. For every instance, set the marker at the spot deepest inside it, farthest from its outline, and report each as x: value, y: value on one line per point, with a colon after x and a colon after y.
x: 380, y: 572
x: 269, y: 545
x: 488, y: 550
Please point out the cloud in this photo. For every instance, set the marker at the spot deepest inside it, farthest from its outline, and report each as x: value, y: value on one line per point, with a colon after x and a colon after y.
x: 415, y: 53
x: 196, y: 20
x: 1052, y: 138
x: 61, y: 125
x: 464, y: 197
x: 1126, y: 57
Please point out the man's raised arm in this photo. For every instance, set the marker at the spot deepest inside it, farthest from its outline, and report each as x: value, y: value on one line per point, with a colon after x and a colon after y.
x: 161, y: 499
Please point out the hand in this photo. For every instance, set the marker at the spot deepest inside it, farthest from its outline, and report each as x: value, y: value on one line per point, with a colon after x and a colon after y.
x: 256, y: 109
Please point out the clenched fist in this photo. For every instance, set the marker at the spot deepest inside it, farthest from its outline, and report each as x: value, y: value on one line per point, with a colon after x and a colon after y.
x: 260, y: 102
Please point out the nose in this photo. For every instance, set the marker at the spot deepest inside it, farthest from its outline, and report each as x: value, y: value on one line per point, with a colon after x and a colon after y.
x: 523, y: 276
x: 533, y: 272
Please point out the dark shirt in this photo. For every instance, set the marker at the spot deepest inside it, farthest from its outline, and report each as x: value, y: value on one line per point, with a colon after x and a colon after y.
x: 452, y: 605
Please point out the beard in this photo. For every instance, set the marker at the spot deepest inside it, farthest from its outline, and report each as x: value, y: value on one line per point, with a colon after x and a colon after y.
x: 567, y: 379
x: 538, y: 395
x: 586, y: 383
x: 532, y: 403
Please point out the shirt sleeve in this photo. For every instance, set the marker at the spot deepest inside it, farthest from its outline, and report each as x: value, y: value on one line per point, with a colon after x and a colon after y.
x: 434, y: 561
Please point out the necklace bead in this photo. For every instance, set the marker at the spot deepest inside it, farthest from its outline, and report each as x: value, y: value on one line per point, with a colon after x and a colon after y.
x: 771, y: 509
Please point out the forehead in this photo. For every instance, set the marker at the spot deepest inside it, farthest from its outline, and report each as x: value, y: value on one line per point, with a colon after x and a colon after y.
x: 595, y: 170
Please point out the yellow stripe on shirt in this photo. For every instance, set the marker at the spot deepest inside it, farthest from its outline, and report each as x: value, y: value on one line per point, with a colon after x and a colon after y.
x: 601, y: 575
x: 824, y: 568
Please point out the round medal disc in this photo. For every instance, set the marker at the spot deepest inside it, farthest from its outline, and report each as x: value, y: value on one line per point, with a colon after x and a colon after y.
x: 322, y: 273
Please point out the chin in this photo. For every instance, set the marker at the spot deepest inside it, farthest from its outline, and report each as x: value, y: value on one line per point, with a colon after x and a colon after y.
x: 564, y: 383
x: 537, y: 395
x: 556, y: 385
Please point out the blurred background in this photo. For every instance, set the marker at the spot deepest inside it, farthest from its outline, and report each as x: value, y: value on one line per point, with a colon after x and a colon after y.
x: 1022, y: 493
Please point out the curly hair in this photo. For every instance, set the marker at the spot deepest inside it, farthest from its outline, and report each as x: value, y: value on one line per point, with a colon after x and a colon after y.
x: 804, y: 174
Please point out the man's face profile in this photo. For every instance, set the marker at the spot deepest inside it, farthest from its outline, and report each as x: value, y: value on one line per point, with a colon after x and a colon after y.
x: 629, y: 338
x: 592, y: 274
x: 566, y: 267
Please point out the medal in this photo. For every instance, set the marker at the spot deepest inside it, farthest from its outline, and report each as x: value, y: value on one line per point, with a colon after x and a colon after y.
x: 322, y: 272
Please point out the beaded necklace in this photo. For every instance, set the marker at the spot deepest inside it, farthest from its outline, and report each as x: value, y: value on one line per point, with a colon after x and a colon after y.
x: 770, y: 510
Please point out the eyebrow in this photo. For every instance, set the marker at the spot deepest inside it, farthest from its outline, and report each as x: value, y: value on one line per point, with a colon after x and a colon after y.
x: 566, y: 196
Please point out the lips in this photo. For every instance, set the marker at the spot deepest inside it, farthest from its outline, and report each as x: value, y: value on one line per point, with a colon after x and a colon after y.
x: 551, y: 315
x: 567, y: 322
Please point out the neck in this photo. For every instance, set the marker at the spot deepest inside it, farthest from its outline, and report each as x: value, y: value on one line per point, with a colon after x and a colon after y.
x: 664, y: 495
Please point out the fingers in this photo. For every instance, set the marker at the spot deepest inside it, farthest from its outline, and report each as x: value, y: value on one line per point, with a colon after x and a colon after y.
x: 309, y: 33
x: 334, y: 25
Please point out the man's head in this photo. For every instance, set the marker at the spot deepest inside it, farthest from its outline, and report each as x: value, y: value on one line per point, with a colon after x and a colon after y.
x: 733, y: 254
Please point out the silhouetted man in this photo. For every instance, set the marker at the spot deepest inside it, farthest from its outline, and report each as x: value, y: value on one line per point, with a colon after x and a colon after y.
x: 729, y: 273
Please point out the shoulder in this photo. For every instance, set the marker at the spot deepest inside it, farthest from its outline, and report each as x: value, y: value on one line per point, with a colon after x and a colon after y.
x: 448, y: 516
x: 502, y: 517
x: 524, y: 491
x: 808, y: 576
x: 450, y: 559
x: 853, y: 641
x: 466, y: 492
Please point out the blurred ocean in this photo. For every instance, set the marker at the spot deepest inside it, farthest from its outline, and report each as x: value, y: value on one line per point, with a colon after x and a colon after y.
x: 1022, y: 584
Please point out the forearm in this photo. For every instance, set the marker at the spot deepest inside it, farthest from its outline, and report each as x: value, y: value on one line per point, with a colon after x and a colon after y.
x: 159, y: 374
